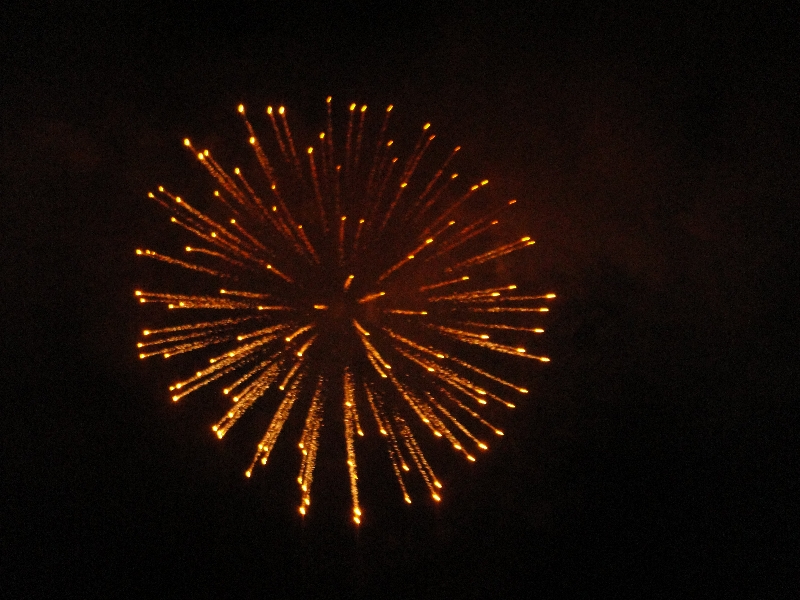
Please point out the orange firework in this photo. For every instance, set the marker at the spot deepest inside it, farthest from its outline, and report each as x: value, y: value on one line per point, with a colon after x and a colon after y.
x: 353, y: 289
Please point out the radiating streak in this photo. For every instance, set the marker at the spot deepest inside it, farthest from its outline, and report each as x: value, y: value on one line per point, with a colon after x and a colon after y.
x: 416, y: 156
x: 267, y: 374
x: 442, y: 429
x: 226, y: 240
x: 359, y: 137
x: 180, y: 263
x: 190, y: 326
x: 433, y: 286
x: 511, y: 299
x: 224, y: 363
x: 163, y: 203
x: 291, y: 224
x: 433, y: 181
x: 400, y: 311
x: 498, y: 309
x: 383, y: 183
x: 459, y: 425
x: 307, y: 243
x: 296, y: 161
x: 247, y: 399
x: 244, y: 294
x: 212, y: 238
x: 419, y: 458
x: 464, y: 236
x: 306, y: 345
x: 410, y: 167
x: 337, y: 193
x: 433, y: 199
x: 329, y: 125
x: 224, y: 180
x: 182, y: 348
x: 502, y: 348
x: 358, y: 234
x: 447, y: 376
x: 297, y: 332
x: 213, y: 169
x: 185, y: 301
x: 291, y: 372
x: 492, y: 254
x: 491, y: 293
x: 460, y: 201
x: 440, y: 355
x: 248, y: 375
x: 470, y: 412
x: 360, y: 329
x: 197, y: 386
x: 508, y: 327
x: 263, y: 161
x: 349, y: 424
x: 253, y: 196
x: 348, y: 282
x: 175, y: 338
x: 437, y: 232
x: 276, y: 425
x: 473, y: 230
x: 500, y: 380
x: 280, y: 274
x: 371, y: 297
x: 309, y: 445
x: 371, y: 351
x: 347, y: 143
x: 216, y: 254
x: 221, y: 198
x: 422, y: 409
x: 249, y: 237
x: 378, y: 148
x: 342, y: 221
x: 278, y: 137
x: 376, y: 365
x: 196, y: 213
x: 317, y: 195
x: 407, y: 259
x: 385, y: 428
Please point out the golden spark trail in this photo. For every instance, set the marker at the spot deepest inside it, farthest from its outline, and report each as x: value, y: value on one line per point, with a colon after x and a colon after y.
x: 385, y: 428
x: 268, y: 441
x: 307, y: 244
x: 315, y: 179
x: 263, y: 161
x: 309, y: 445
x: 180, y: 263
x: 359, y: 137
x: 492, y: 254
x: 349, y: 425
x: 378, y: 148
x: 433, y: 286
x: 296, y: 161
x: 278, y: 137
x: 347, y: 140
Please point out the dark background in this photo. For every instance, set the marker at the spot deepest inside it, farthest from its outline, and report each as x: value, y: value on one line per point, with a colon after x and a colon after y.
x: 655, y: 151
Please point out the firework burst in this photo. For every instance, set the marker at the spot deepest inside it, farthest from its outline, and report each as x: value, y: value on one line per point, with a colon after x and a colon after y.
x: 348, y: 287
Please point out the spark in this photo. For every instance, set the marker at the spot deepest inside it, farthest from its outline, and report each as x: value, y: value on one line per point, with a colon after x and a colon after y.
x: 352, y: 245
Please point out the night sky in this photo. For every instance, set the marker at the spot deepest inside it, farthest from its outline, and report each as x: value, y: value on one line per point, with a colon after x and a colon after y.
x: 656, y: 157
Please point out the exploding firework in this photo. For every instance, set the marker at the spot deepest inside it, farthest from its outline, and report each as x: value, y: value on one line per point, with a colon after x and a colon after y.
x: 353, y: 289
